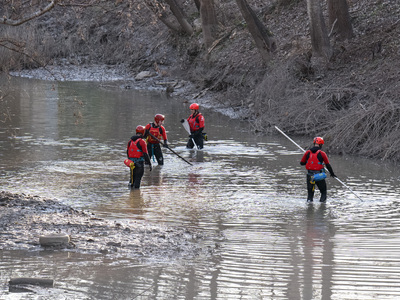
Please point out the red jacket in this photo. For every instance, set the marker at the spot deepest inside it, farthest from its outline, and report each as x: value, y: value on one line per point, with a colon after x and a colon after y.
x: 158, y: 131
x: 136, y: 147
x: 314, y: 159
x: 196, y: 122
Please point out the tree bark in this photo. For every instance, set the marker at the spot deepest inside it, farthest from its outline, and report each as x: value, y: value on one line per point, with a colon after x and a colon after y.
x: 171, y: 25
x: 321, y: 46
x: 197, y: 3
x: 25, y: 19
x: 178, y: 13
x: 339, y: 19
x: 208, y: 22
x: 177, y: 23
x: 262, y: 37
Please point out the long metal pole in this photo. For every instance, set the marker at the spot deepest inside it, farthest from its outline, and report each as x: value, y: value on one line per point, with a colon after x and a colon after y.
x: 276, y: 127
x: 171, y: 149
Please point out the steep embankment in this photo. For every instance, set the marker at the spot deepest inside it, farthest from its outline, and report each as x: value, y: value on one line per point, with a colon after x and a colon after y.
x: 352, y: 102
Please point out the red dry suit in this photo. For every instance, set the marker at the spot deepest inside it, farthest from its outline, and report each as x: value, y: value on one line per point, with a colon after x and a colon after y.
x: 158, y: 131
x: 136, y: 147
x: 196, y: 122
x: 314, y: 160
x: 137, y: 152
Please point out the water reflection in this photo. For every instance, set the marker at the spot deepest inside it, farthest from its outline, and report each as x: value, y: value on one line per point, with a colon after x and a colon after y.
x: 318, y: 251
x: 246, y: 193
x: 136, y: 202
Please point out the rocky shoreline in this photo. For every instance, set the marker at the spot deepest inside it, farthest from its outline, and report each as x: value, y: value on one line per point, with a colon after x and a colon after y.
x: 107, y: 76
x: 121, y: 77
x: 24, y: 219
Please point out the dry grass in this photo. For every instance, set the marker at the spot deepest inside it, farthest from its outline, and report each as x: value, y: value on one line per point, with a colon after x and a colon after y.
x: 353, y: 102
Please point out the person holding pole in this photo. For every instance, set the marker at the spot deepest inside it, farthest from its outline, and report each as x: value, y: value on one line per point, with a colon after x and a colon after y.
x: 315, y: 161
x: 137, y: 155
x: 302, y: 150
x: 196, y: 124
x: 154, y: 132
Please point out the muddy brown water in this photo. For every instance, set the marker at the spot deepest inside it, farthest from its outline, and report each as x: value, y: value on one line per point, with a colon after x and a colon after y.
x: 67, y: 141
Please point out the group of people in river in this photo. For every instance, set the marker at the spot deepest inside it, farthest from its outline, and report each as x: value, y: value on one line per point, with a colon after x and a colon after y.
x: 146, y: 144
x: 148, y: 139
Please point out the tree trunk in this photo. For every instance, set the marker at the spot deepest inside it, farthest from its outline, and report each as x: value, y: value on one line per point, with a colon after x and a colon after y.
x: 197, y: 3
x: 208, y: 21
x: 339, y: 19
x: 262, y: 37
x: 321, y: 46
x: 167, y: 22
x: 176, y: 22
x: 178, y: 13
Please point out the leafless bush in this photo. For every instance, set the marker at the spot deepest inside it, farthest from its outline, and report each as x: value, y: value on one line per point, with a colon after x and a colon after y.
x: 371, y: 131
x: 24, y: 47
x: 352, y: 120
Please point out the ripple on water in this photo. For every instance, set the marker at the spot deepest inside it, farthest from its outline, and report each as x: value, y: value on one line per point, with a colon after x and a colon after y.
x: 246, y: 192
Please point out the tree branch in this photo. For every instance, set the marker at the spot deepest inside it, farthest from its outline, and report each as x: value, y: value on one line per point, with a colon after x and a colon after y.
x: 18, y: 47
x: 36, y: 14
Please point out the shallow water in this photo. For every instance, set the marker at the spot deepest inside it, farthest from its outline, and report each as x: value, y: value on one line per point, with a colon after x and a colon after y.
x: 246, y: 193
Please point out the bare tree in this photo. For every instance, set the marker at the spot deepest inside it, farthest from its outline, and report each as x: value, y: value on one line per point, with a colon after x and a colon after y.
x: 197, y: 3
x: 339, y: 18
x: 261, y: 35
x: 25, y: 18
x: 14, y: 14
x: 159, y: 9
x: 178, y: 13
x: 321, y: 46
x: 178, y: 23
x: 208, y: 21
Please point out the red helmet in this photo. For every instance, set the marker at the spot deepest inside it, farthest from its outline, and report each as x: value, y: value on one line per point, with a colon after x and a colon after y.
x: 194, y: 106
x: 318, y: 140
x: 159, y: 118
x: 140, y: 129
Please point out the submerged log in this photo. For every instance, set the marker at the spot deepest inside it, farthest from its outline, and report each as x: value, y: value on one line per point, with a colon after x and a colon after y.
x: 32, y: 281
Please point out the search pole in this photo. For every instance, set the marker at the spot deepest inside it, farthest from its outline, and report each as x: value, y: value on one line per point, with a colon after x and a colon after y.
x: 276, y: 127
x: 170, y: 149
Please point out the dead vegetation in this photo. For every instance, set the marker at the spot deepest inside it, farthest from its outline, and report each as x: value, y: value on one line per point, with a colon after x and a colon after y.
x: 353, y: 102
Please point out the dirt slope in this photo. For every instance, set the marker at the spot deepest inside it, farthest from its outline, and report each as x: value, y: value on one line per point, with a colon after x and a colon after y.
x: 353, y: 102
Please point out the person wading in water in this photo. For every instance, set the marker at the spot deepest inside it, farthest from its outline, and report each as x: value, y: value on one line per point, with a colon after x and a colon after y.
x: 137, y: 153
x: 156, y: 130
x: 314, y: 160
x: 196, y: 123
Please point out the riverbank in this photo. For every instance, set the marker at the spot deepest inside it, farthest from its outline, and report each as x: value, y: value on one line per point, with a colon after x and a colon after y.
x: 350, y: 101
x: 122, y: 77
x: 24, y: 219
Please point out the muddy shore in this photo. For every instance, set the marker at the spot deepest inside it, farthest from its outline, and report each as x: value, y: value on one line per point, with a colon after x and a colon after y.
x: 24, y: 219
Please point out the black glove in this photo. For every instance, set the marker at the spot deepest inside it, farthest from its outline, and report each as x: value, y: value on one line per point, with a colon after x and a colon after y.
x: 191, y: 136
x: 332, y: 174
x: 165, y: 144
x: 183, y: 121
x: 150, y: 167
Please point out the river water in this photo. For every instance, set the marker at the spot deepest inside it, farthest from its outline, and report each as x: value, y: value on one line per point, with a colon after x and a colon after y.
x: 67, y: 141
